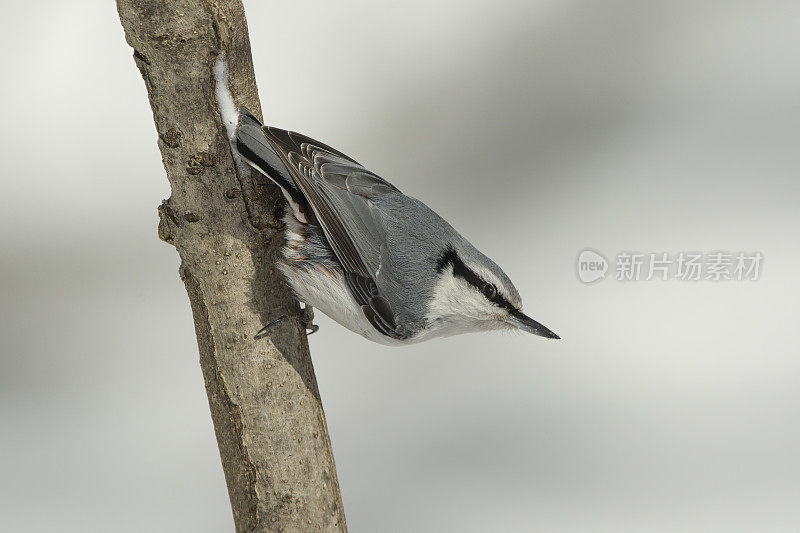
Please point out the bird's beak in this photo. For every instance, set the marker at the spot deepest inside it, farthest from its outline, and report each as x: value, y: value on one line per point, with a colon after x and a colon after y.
x: 526, y: 323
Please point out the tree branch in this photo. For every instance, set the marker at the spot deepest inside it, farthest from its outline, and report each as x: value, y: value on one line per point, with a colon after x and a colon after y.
x: 263, y: 395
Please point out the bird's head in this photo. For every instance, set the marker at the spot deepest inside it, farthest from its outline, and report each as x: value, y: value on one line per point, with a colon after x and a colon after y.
x: 472, y: 293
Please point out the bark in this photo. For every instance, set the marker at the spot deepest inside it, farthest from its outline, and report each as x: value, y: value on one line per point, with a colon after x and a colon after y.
x: 264, y: 400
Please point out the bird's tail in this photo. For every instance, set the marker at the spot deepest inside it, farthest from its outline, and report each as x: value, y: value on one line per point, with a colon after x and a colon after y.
x: 258, y: 152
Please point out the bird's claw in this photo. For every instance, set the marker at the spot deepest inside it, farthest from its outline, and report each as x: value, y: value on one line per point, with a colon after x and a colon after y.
x: 306, y: 319
x: 263, y: 332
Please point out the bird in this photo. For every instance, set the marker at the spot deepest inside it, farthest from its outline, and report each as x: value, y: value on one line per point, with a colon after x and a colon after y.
x: 380, y: 263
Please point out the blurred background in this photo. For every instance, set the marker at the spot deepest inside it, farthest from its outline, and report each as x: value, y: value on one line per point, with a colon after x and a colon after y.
x: 538, y: 129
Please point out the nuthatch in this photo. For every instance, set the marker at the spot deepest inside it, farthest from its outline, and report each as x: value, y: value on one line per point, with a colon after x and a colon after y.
x: 376, y: 261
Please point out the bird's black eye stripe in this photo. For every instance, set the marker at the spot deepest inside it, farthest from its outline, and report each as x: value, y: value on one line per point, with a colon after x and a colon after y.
x: 450, y: 257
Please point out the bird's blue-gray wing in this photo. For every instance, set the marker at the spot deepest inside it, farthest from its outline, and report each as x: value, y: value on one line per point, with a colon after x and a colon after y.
x: 339, y: 191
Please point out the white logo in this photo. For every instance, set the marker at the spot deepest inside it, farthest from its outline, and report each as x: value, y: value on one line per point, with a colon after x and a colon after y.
x: 717, y: 266
x: 591, y: 266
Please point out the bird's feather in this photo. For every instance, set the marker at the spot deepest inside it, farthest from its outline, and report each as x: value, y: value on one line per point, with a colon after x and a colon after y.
x: 340, y: 192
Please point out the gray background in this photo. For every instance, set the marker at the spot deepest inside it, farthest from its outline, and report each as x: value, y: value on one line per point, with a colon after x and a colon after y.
x: 537, y: 129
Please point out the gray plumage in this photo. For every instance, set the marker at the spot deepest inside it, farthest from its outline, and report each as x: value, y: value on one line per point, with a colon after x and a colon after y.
x: 390, y: 250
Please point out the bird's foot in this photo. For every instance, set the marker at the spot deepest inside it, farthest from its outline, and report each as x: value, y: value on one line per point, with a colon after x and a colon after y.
x: 264, y: 332
x: 306, y: 319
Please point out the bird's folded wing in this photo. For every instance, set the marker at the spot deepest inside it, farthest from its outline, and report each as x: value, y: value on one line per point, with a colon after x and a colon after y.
x: 339, y: 190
